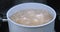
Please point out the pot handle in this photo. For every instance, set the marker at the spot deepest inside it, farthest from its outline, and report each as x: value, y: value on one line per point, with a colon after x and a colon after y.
x: 4, y: 20
x: 3, y: 25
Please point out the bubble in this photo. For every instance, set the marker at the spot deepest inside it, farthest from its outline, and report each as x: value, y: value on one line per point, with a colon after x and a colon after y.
x: 39, y: 15
x: 35, y: 20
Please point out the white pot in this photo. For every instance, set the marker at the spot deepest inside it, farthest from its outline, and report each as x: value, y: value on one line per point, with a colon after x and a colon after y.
x: 15, y: 27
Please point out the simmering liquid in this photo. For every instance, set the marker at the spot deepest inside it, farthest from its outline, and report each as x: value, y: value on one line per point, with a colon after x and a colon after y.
x: 31, y: 17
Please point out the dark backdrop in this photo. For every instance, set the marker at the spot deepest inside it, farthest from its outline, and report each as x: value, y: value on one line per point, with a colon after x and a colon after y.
x: 7, y: 4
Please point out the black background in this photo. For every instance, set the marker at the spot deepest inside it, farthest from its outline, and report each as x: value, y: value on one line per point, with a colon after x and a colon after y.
x: 5, y: 5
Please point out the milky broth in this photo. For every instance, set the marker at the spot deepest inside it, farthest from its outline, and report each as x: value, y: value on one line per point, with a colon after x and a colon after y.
x: 31, y: 17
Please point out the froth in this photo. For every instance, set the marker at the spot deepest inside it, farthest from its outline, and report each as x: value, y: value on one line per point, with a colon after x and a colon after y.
x: 31, y: 17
